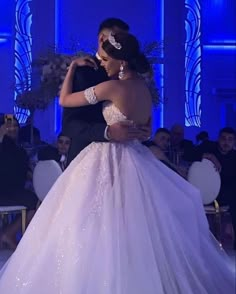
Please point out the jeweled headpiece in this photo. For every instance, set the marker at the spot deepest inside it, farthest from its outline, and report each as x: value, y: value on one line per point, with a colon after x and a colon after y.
x: 113, y: 42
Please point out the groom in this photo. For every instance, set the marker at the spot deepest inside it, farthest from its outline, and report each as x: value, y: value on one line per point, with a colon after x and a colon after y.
x: 86, y: 124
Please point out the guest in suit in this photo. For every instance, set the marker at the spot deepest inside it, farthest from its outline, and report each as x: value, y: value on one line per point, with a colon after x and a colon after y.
x: 160, y: 143
x: 160, y: 146
x: 25, y: 134
x: 201, y: 137
x: 223, y: 152
x: 181, y: 150
x: 58, y: 153
x: 13, y: 175
x: 85, y: 125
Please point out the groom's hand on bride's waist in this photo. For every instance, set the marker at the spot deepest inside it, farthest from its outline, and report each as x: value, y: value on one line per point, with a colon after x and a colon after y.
x: 127, y: 130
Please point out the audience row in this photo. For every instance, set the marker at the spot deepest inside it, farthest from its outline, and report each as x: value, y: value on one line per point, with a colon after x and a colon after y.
x: 21, y: 148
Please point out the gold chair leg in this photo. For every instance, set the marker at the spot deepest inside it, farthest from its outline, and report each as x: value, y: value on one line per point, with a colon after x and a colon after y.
x: 23, y: 220
x: 218, y: 223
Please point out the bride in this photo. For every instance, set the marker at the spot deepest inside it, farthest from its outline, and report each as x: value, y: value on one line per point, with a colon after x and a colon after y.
x: 118, y: 221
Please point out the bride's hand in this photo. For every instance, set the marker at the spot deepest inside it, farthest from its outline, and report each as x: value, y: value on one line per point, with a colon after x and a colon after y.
x: 84, y: 61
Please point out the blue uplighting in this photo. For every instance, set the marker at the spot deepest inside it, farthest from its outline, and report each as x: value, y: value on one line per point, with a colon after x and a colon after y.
x: 57, y: 23
x: 3, y: 40
x: 57, y: 116
x: 220, y: 47
x: 4, y: 37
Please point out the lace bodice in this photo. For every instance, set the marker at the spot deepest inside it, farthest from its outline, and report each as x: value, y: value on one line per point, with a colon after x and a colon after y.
x: 112, y: 114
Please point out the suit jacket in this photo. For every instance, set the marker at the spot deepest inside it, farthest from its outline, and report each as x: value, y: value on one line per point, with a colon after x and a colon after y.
x: 227, y: 174
x: 84, y: 125
x: 13, y: 165
x: 186, y: 147
x: 49, y: 153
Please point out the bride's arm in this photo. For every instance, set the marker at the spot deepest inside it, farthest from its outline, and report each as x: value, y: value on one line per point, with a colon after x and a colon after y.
x: 91, y: 95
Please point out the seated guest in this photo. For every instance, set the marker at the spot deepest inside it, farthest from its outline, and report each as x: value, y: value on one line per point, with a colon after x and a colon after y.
x: 58, y: 153
x: 223, y: 154
x: 160, y: 143
x: 181, y: 151
x: 160, y: 146
x: 25, y: 134
x: 202, y: 137
x: 13, y: 174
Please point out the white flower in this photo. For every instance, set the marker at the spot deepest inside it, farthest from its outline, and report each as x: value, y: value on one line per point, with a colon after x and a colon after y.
x: 64, y: 66
x: 47, y: 69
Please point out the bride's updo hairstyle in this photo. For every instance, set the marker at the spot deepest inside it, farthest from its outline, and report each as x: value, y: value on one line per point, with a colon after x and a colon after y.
x: 124, y: 46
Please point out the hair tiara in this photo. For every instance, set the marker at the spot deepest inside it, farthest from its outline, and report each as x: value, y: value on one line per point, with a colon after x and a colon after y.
x: 113, y: 42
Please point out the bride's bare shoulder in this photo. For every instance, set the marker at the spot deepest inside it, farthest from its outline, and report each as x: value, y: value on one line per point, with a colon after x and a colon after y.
x: 111, y: 83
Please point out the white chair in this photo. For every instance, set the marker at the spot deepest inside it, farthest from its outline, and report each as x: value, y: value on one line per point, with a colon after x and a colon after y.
x: 45, y: 174
x: 8, y: 210
x: 204, y: 176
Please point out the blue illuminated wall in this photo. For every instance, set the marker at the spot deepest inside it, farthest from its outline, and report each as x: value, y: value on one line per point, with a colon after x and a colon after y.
x: 7, y: 10
x: 200, y: 80
x: 219, y: 64
x: 219, y: 22
x: 80, y: 19
x: 174, y: 62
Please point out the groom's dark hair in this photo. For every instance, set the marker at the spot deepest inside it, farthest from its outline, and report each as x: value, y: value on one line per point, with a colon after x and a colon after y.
x: 109, y: 23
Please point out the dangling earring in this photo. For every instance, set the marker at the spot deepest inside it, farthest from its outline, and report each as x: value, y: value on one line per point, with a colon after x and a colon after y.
x: 121, y: 73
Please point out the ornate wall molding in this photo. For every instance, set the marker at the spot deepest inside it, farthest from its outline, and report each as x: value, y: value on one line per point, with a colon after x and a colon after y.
x: 193, y: 63
x: 23, y: 53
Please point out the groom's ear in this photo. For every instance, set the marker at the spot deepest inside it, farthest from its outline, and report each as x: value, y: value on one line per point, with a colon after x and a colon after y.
x: 100, y: 38
x: 103, y: 37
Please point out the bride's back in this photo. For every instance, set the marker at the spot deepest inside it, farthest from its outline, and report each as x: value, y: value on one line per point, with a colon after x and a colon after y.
x: 133, y: 99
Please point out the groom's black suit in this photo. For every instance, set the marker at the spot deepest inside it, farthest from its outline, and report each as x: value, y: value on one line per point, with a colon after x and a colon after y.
x: 84, y: 125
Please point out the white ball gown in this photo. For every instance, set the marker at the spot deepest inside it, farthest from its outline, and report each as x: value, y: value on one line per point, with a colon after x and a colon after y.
x: 118, y: 221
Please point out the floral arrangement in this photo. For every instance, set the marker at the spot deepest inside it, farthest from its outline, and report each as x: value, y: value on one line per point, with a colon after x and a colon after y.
x: 52, y: 68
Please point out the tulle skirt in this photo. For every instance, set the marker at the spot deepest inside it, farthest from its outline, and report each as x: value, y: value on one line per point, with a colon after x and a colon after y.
x: 118, y: 221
